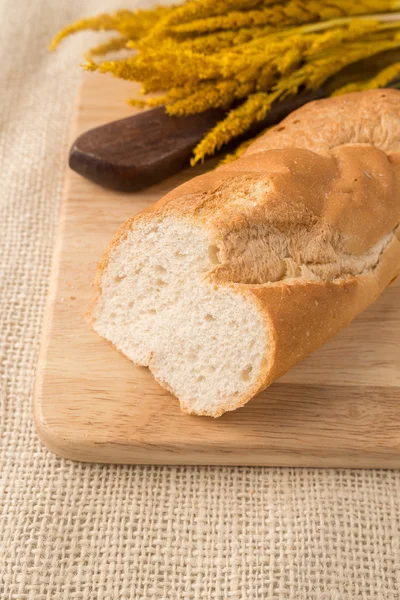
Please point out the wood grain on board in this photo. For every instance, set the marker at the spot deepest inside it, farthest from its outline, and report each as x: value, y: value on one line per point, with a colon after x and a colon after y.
x: 338, y: 408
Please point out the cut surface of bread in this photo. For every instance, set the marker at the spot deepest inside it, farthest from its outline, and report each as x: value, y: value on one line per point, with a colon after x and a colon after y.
x: 206, y: 345
x: 223, y: 285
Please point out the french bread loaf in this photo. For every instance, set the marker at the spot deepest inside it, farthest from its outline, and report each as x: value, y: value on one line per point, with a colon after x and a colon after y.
x: 232, y: 278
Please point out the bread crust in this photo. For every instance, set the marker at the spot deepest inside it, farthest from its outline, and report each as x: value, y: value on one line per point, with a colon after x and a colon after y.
x: 369, y: 117
x: 340, y: 187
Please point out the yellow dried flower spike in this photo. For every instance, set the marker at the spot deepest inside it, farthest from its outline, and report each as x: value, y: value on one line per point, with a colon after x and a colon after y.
x: 133, y: 25
x: 112, y: 45
x: 236, y: 123
x: 380, y: 80
x: 243, y: 55
x: 237, y: 153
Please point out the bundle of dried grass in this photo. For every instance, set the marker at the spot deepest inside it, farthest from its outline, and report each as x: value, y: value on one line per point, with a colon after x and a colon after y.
x: 242, y: 55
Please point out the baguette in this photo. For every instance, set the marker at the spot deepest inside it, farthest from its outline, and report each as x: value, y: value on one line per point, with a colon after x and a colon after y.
x: 232, y: 278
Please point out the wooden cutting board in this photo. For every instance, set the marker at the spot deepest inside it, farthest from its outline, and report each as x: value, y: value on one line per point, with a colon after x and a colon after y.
x: 338, y: 408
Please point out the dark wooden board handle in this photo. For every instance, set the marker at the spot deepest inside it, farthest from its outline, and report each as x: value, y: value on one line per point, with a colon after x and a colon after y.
x: 136, y: 152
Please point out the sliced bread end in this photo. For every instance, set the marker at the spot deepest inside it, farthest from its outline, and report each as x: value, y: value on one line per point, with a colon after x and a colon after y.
x: 159, y: 306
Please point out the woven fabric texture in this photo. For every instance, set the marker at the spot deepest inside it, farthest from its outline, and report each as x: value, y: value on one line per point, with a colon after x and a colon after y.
x: 82, y: 532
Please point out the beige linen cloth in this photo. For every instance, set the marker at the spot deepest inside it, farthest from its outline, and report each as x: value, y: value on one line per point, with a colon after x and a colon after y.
x: 84, y: 532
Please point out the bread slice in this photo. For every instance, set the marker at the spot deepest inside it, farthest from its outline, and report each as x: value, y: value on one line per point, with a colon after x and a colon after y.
x: 235, y: 276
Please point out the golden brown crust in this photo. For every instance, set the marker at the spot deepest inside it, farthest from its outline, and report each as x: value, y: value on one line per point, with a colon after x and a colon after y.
x: 345, y: 198
x: 341, y: 189
x: 369, y: 117
x: 303, y: 316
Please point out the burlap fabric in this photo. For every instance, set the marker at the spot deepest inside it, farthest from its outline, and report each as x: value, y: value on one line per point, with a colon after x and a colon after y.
x: 79, y: 532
